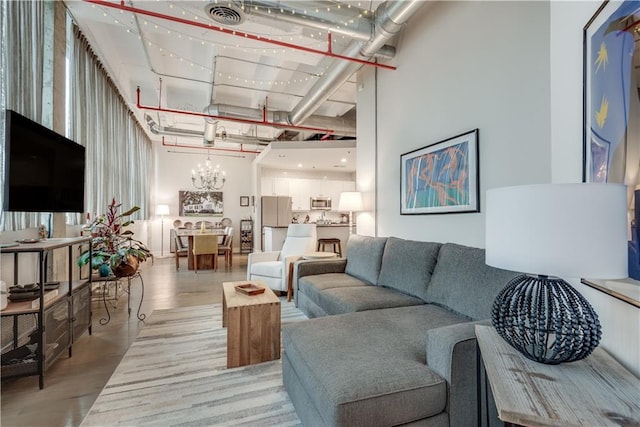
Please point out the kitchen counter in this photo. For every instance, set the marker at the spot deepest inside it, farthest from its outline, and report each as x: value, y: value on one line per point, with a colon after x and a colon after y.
x: 274, y: 235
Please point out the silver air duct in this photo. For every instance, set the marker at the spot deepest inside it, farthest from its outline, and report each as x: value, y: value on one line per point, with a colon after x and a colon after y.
x: 156, y: 129
x: 316, y: 15
x: 339, y: 125
x: 390, y: 17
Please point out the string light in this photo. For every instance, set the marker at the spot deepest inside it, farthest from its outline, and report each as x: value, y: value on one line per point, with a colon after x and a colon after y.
x: 203, y: 42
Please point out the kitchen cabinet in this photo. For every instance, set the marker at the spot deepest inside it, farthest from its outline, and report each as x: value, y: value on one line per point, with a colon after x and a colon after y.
x: 300, y: 192
x: 332, y: 189
x: 53, y: 321
x: 275, y: 186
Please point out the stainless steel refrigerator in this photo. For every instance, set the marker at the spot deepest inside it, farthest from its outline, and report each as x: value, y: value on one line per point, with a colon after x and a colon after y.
x: 276, y: 211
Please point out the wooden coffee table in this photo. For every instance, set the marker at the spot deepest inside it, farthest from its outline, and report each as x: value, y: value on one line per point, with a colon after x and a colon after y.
x: 253, y: 324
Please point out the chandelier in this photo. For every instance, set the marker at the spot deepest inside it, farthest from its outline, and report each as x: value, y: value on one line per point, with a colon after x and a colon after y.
x: 208, y: 178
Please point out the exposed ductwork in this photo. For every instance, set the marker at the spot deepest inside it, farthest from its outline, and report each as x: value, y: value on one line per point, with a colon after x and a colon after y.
x: 339, y: 126
x: 390, y: 17
x: 190, y: 133
x: 317, y: 15
x: 369, y: 37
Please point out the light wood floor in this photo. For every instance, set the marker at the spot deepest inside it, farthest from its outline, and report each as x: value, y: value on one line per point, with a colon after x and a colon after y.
x: 71, y: 385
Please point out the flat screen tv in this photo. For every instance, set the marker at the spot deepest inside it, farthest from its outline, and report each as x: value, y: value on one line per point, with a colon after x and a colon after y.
x: 43, y: 170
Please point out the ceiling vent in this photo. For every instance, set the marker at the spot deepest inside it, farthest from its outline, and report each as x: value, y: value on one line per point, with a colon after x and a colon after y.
x: 227, y: 14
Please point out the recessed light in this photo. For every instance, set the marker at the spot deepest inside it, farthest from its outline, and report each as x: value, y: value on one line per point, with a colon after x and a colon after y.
x: 299, y: 165
x: 343, y: 160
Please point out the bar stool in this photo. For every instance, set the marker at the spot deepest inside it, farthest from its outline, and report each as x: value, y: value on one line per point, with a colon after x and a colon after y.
x: 335, y: 243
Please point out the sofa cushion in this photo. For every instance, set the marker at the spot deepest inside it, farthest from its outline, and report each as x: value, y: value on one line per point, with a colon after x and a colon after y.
x: 312, y: 285
x: 267, y: 268
x: 361, y: 298
x: 407, y: 266
x: 368, y: 368
x: 463, y: 282
x: 364, y: 257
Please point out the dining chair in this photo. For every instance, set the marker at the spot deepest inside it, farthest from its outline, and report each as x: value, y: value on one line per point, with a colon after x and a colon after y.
x: 181, y: 250
x: 226, y: 247
x: 205, y: 245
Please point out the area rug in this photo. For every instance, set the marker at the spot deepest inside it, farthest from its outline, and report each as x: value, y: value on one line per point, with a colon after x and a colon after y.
x: 174, y: 374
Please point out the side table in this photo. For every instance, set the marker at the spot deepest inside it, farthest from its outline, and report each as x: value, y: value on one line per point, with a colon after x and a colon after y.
x: 308, y: 256
x: 595, y: 391
x: 253, y: 325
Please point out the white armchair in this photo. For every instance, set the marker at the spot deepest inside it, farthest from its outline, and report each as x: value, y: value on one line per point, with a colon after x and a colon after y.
x: 273, y: 267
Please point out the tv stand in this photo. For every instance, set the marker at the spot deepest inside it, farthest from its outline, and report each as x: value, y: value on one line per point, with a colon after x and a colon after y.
x: 60, y: 316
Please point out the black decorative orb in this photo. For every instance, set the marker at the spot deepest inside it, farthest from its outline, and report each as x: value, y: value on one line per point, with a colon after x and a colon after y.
x: 546, y: 319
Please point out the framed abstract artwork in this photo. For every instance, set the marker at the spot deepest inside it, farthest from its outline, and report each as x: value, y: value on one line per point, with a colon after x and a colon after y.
x: 441, y: 177
x: 200, y: 203
x: 611, y: 140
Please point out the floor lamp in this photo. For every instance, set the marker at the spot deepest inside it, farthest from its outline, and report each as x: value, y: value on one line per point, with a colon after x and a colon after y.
x: 350, y: 201
x: 162, y: 210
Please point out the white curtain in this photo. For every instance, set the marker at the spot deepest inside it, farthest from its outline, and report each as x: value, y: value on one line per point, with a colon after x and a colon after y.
x: 21, y: 82
x: 119, y: 153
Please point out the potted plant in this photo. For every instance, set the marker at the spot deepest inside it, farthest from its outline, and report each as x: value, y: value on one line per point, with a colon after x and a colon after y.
x: 114, y: 250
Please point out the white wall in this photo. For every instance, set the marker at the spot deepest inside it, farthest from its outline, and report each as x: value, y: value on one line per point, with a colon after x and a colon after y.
x: 511, y: 69
x: 620, y: 321
x: 174, y: 167
x: 461, y: 66
x: 367, y: 150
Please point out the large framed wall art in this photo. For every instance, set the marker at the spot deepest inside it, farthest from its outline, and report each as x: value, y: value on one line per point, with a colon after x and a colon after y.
x: 611, y: 97
x: 442, y: 177
x: 200, y: 203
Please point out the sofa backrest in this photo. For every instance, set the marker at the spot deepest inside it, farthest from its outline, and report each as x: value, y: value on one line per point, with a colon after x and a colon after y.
x: 364, y: 257
x: 463, y: 282
x: 407, y: 266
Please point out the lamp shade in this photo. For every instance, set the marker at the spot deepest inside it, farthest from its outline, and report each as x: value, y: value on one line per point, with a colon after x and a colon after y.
x: 350, y: 201
x: 162, y: 210
x: 566, y: 230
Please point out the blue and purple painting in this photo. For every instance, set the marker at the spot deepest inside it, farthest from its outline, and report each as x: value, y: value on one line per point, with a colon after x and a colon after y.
x: 439, y: 178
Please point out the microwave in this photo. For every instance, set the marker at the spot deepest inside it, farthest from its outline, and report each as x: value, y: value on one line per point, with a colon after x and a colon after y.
x: 320, y: 203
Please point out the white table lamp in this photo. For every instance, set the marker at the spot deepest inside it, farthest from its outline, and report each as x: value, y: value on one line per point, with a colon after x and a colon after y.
x: 350, y: 201
x: 162, y: 210
x: 568, y: 230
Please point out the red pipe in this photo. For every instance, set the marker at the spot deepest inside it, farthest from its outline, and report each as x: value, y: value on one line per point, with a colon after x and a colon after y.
x: 236, y: 33
x: 233, y: 150
x: 232, y: 119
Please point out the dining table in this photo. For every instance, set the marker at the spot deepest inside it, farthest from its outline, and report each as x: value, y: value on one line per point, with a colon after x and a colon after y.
x: 205, y: 262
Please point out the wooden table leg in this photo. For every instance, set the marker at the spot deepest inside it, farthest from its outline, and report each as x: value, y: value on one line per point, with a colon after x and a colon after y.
x: 290, y: 283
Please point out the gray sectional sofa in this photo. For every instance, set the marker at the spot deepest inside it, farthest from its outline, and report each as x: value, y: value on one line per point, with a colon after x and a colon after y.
x: 391, y: 340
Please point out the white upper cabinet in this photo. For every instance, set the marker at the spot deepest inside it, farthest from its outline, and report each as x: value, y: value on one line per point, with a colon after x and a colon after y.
x: 301, y: 190
x: 275, y: 186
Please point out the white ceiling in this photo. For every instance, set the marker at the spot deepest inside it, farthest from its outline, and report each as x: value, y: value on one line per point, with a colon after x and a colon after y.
x: 183, y: 67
